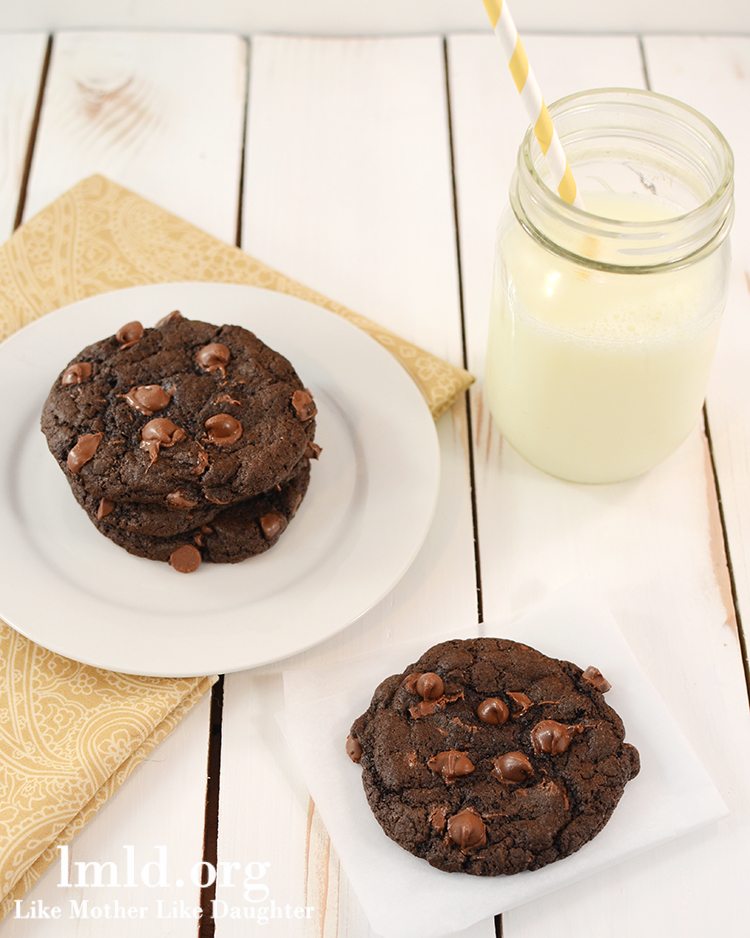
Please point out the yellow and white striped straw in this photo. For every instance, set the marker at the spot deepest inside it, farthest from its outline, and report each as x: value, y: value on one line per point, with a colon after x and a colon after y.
x: 531, y: 95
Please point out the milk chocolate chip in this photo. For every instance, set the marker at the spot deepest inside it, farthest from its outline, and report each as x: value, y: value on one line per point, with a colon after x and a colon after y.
x: 83, y: 451
x: 201, y: 463
x: 104, y: 508
x: 223, y: 429
x: 437, y: 817
x: 313, y: 451
x: 185, y: 559
x: 180, y: 501
x: 148, y: 398
x: 451, y: 764
x: 77, y: 373
x: 467, y: 830
x: 129, y: 334
x: 353, y: 748
x: 521, y: 702
x: 213, y: 357
x: 493, y: 710
x: 596, y: 679
x: 160, y: 431
x: 429, y: 686
x: 552, y: 737
x: 272, y: 524
x: 304, y: 405
x: 170, y: 317
x: 410, y: 682
x: 512, y: 767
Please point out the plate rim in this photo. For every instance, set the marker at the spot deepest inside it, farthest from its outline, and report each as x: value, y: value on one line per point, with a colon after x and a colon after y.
x: 300, y: 646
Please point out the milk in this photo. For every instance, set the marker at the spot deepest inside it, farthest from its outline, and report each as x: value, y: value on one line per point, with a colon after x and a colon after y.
x: 596, y: 376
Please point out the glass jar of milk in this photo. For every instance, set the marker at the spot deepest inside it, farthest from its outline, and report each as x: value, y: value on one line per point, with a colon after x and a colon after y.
x: 604, y: 320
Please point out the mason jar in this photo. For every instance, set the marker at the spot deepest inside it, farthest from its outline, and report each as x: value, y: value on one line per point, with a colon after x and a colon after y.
x: 604, y: 318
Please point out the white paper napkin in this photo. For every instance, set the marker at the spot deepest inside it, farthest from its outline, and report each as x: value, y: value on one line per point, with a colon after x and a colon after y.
x: 404, y: 896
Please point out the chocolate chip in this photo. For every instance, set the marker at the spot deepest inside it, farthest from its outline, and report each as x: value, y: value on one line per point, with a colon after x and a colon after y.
x: 201, y: 462
x: 410, y: 682
x: 313, y: 451
x: 83, y: 451
x: 353, y: 748
x: 437, y: 817
x: 552, y: 737
x: 170, y: 317
x: 596, y: 679
x: 272, y: 524
x: 160, y: 431
x: 304, y: 405
x: 213, y: 357
x: 129, y: 334
x: 467, y: 830
x: 429, y: 686
x: 148, y: 398
x: 427, y: 707
x: 180, y: 501
x: 512, y: 767
x: 185, y: 559
x: 521, y: 702
x: 223, y: 429
x: 493, y: 710
x: 451, y: 764
x: 104, y: 508
x: 77, y: 373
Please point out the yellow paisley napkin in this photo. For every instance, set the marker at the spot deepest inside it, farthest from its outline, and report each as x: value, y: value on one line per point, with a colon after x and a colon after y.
x: 99, y: 236
x: 71, y: 734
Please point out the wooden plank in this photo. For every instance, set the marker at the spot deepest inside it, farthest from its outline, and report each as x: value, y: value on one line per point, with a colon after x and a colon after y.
x: 713, y: 74
x: 164, y: 114
x: 156, y: 112
x: 348, y: 187
x: 21, y: 59
x: 647, y: 543
x: 388, y: 17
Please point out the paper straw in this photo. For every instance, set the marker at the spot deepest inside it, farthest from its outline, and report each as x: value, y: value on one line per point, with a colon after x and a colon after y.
x: 531, y: 95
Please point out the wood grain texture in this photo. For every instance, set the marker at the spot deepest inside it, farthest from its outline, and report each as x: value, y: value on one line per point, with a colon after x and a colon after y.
x: 123, y: 106
x: 160, y: 113
x: 21, y: 58
x: 713, y: 74
x: 646, y: 543
x: 388, y: 17
x: 348, y: 186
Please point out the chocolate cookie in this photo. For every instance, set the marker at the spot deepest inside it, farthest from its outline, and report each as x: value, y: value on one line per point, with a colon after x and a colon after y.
x: 233, y: 534
x: 177, y: 513
x: 487, y: 757
x: 209, y: 412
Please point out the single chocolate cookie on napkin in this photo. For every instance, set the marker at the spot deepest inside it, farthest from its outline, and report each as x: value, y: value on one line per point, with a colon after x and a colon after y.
x: 486, y: 756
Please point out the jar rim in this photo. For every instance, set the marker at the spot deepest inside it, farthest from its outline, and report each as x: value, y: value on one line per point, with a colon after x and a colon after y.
x: 705, y: 220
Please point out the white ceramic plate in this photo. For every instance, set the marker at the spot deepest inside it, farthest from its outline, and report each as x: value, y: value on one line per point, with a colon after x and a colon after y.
x: 366, y: 514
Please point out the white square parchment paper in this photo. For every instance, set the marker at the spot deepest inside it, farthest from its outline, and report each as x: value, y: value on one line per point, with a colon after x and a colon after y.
x: 404, y: 896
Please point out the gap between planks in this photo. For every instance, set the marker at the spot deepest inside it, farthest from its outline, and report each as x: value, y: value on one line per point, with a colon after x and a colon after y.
x: 206, y: 924
x: 713, y: 496
x: 465, y: 357
x: 464, y: 352
x: 31, y: 145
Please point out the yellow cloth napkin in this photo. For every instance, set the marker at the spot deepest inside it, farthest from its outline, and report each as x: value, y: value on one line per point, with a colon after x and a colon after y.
x: 97, y: 237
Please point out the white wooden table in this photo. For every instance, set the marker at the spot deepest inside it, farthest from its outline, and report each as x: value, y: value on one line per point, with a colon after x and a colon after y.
x: 375, y: 170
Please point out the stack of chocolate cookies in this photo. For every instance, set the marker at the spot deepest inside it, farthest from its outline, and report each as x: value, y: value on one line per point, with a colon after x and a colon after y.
x: 184, y: 442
